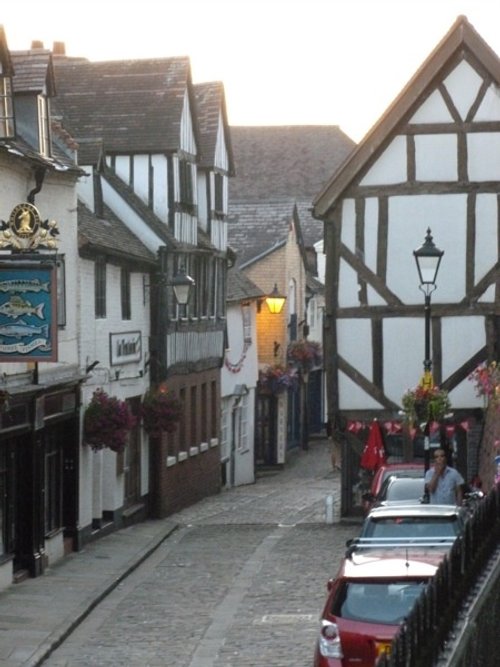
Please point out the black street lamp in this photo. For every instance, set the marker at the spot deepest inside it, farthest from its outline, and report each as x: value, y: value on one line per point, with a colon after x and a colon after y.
x: 428, y: 259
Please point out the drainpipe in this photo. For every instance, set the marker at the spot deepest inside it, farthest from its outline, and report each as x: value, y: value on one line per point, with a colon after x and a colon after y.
x: 39, y: 176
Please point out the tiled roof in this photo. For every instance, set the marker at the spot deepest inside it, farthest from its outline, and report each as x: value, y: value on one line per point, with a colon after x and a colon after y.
x: 286, y: 161
x: 133, y: 105
x: 211, y: 108
x: 240, y: 288
x: 108, y: 234
x: 58, y: 161
x: 258, y: 227
x: 33, y: 71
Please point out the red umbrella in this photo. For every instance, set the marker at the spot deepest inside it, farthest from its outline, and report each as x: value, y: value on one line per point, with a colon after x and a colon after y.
x: 374, y: 452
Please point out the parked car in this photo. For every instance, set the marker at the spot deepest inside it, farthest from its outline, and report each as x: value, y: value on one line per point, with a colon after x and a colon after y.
x: 412, y: 469
x: 366, y: 603
x: 392, y: 522
x: 400, y: 490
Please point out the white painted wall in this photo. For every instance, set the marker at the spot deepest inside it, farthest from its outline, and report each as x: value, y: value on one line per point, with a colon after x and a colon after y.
x: 241, y: 368
x: 101, y: 488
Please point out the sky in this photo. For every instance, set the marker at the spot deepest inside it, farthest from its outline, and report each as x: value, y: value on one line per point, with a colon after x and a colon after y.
x: 282, y: 62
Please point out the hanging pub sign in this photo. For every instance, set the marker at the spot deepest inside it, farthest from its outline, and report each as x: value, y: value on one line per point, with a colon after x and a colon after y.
x: 28, y: 311
x: 28, y: 290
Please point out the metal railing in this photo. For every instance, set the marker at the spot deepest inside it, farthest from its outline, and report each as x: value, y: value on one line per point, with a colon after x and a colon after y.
x: 427, y: 629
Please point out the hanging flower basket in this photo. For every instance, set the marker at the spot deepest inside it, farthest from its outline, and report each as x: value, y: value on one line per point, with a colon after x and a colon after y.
x: 425, y: 404
x: 304, y: 355
x: 107, y: 422
x: 161, y: 411
x: 277, y: 379
x: 486, y: 378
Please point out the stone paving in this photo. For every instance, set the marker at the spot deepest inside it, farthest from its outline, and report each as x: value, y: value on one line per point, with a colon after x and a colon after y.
x: 237, y: 579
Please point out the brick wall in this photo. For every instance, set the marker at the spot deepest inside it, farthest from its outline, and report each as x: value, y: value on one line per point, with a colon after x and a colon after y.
x: 185, y: 465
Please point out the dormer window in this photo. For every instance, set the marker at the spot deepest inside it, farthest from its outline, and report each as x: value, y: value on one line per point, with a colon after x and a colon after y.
x: 6, y: 108
x: 43, y: 125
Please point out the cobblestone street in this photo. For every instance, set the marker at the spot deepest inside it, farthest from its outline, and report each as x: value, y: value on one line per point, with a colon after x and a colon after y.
x: 239, y: 582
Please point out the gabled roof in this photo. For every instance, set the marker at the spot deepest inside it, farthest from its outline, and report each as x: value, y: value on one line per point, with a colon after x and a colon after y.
x: 109, y: 235
x: 211, y: 107
x: 133, y: 105
x: 33, y: 72
x: 255, y: 229
x: 240, y: 287
x: 461, y: 37
x: 258, y: 228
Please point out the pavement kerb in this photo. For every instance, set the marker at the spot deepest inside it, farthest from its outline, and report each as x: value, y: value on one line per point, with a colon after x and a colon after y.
x: 65, y: 629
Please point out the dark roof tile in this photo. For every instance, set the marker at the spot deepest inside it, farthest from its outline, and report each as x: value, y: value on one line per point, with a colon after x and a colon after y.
x: 110, y: 235
x: 133, y: 105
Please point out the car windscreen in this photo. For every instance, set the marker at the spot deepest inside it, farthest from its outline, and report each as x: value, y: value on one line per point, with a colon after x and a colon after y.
x: 412, y: 526
x: 378, y: 602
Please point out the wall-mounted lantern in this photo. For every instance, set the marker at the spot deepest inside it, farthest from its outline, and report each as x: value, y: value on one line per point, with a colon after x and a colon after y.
x: 182, y: 284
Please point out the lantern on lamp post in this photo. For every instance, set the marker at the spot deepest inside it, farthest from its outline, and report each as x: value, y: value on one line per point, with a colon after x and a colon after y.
x: 428, y: 258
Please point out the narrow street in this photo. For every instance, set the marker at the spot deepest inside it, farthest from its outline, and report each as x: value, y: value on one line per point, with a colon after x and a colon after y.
x: 240, y: 582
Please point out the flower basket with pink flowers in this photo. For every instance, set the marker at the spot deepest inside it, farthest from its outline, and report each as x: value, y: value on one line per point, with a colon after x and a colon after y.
x: 304, y: 355
x: 486, y: 378
x: 107, y: 422
x: 276, y: 379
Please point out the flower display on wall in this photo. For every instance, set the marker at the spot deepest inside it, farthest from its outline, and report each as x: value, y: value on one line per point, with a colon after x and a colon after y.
x: 107, y: 422
x: 425, y: 404
x: 161, y: 411
x: 486, y: 378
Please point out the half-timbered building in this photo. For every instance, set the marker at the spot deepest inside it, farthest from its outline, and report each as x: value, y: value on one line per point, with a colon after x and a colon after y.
x: 430, y: 162
x: 157, y: 153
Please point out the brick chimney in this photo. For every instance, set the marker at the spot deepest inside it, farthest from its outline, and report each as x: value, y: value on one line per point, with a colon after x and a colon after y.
x: 59, y: 49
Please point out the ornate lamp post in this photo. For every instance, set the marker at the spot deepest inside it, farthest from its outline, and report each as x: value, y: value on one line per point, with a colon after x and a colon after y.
x: 428, y: 259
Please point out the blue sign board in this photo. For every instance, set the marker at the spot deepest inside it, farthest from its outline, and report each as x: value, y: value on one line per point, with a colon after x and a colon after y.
x: 28, y: 315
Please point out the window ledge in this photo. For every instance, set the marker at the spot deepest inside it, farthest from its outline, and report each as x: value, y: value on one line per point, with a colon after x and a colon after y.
x: 182, y: 456
x: 193, y: 451
x: 203, y: 446
x: 171, y: 461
